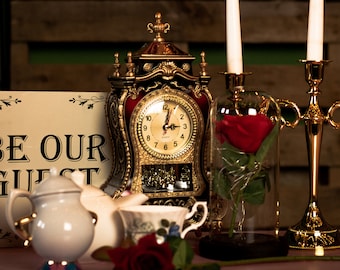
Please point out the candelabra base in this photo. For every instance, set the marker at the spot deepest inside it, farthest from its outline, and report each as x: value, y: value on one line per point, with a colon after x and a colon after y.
x: 242, y: 246
x: 313, y: 231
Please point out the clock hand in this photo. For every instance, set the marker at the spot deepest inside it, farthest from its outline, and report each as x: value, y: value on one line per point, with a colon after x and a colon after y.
x: 173, y: 126
x: 167, y: 119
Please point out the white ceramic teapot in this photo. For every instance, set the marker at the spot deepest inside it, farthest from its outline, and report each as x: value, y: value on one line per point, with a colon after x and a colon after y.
x: 60, y: 228
x: 109, y: 229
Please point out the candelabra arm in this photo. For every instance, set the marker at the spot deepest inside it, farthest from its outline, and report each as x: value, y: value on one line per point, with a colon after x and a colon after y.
x: 331, y: 111
x: 285, y: 103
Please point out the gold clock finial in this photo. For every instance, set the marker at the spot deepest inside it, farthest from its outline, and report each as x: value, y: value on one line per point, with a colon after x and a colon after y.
x: 116, y: 65
x: 203, y: 65
x: 130, y: 65
x: 158, y: 27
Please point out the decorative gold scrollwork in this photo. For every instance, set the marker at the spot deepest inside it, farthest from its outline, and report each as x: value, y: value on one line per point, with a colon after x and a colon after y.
x: 285, y: 103
x: 330, y: 114
x: 158, y: 27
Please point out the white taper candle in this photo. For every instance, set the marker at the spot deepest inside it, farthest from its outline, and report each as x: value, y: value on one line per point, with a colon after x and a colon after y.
x: 233, y: 35
x: 315, y: 30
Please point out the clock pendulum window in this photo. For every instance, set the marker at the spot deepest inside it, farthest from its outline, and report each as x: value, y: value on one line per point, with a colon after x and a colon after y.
x: 158, y: 117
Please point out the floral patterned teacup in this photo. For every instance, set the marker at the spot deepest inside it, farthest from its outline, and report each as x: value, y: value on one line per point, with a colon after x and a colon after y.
x: 161, y: 219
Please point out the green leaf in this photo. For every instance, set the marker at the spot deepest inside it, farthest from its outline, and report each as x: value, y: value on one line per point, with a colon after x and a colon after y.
x: 254, y: 193
x: 233, y: 155
x: 183, y: 255
x: 251, y: 162
x: 222, y: 184
x: 101, y: 254
x: 174, y: 242
x: 267, y: 143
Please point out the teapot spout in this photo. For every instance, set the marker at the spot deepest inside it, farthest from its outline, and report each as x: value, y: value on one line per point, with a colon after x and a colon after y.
x: 131, y: 200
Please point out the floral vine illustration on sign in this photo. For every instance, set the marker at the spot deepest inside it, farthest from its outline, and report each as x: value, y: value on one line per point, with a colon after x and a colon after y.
x: 7, y: 102
x: 87, y: 102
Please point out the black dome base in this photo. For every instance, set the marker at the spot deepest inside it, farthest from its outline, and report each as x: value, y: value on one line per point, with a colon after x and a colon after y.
x: 242, y: 246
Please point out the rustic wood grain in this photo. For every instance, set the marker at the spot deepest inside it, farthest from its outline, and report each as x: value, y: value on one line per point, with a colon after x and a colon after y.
x: 194, y: 21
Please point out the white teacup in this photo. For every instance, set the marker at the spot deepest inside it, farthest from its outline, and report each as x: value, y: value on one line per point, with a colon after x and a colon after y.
x: 141, y: 220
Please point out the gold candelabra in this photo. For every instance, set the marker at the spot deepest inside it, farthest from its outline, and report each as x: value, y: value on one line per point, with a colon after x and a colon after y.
x: 313, y: 230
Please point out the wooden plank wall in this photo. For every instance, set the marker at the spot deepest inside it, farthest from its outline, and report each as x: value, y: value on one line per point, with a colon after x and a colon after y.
x: 271, y: 22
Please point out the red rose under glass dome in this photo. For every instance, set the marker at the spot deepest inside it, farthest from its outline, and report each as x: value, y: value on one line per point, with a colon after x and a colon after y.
x: 244, y: 172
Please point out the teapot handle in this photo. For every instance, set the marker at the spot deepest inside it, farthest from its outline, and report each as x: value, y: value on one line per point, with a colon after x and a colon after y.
x: 196, y: 225
x: 18, y: 227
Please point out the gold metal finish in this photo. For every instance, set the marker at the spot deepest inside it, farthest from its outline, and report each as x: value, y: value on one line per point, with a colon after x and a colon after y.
x: 234, y: 80
x: 235, y: 85
x: 116, y: 65
x: 161, y: 152
x: 167, y: 156
x: 158, y: 27
x: 159, y: 47
x: 313, y: 230
x: 330, y: 114
x: 22, y: 227
x: 130, y: 66
x: 285, y: 103
x: 163, y: 132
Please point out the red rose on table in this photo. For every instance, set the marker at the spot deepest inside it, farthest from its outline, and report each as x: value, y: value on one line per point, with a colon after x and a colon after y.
x: 244, y: 132
x: 146, y: 255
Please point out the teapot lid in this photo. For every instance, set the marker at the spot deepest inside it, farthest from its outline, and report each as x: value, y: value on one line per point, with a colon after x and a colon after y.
x: 55, y: 183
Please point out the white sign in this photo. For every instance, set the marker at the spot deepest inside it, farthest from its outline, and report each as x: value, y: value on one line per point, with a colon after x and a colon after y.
x: 40, y: 130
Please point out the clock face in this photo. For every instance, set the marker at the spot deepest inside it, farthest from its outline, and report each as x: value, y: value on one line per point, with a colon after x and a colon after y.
x: 166, y: 124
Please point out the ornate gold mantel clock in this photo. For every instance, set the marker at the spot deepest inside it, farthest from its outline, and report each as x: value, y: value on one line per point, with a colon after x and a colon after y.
x: 158, y: 118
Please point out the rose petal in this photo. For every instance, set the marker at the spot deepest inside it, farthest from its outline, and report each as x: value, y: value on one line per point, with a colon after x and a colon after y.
x: 147, y: 254
x: 244, y: 132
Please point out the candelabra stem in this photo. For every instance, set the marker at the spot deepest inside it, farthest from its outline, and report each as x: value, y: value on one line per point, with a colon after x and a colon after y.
x: 313, y: 136
x: 313, y: 230
x: 314, y: 120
